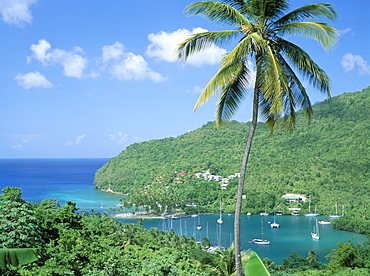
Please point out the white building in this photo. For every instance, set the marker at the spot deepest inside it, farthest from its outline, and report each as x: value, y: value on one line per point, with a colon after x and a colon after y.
x: 218, y: 178
x: 199, y: 175
x: 295, y: 197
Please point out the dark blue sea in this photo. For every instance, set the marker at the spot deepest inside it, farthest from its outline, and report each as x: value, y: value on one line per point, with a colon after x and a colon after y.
x: 63, y: 179
x: 72, y: 179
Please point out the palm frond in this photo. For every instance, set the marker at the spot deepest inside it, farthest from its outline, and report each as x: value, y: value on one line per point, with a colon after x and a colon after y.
x: 306, y: 66
x: 275, y: 85
x: 266, y: 9
x: 223, y: 78
x: 296, y: 97
x: 202, y: 41
x: 310, y: 11
x: 240, y: 5
x: 321, y: 32
x: 264, y: 108
x: 273, y: 80
x: 232, y: 94
x: 217, y: 12
x: 244, y: 48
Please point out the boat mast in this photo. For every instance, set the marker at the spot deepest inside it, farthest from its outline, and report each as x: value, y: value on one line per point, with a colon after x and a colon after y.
x: 262, y: 229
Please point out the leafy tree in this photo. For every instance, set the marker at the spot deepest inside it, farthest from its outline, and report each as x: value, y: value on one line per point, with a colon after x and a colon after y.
x: 294, y: 261
x: 18, y: 223
x: 278, y: 92
x: 348, y: 255
x: 12, y: 194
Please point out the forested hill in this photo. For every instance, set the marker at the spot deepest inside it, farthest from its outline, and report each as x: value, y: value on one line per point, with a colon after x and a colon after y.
x: 328, y: 159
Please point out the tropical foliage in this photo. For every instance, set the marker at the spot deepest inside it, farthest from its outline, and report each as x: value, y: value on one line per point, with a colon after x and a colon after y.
x: 69, y: 242
x: 75, y: 242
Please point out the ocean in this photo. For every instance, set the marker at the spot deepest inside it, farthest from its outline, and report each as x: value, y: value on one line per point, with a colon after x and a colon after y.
x: 72, y: 180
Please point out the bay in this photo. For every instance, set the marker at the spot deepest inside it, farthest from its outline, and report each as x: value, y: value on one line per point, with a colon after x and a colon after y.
x: 72, y: 179
x: 294, y: 233
x: 63, y: 179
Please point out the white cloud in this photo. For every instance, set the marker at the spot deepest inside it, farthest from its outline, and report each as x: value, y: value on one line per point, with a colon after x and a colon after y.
x: 20, y: 141
x: 347, y: 30
x: 33, y: 80
x: 112, y: 52
x: 72, y: 62
x: 163, y: 46
x: 194, y: 90
x: 16, y: 11
x: 138, y: 139
x: 127, y: 66
x: 77, y: 141
x: 119, y: 137
x: 17, y: 147
x: 352, y: 62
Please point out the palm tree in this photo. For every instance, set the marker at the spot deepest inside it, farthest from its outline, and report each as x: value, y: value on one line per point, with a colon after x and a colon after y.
x: 278, y: 92
x: 312, y: 257
x: 225, y: 260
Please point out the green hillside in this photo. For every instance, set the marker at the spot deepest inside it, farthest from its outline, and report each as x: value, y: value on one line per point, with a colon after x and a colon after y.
x: 328, y: 159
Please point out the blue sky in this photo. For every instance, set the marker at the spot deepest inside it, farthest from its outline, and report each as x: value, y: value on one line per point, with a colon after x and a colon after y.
x: 88, y: 78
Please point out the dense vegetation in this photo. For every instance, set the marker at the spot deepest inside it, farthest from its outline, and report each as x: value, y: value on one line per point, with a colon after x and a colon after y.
x: 91, y: 243
x: 327, y: 159
x: 72, y: 242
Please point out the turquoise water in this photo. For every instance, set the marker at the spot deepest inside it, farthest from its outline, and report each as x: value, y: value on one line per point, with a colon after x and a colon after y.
x: 294, y: 233
x: 72, y: 179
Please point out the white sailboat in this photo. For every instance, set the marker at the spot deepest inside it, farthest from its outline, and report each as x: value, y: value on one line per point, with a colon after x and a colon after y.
x: 310, y: 214
x: 199, y: 227
x: 275, y: 224
x: 336, y: 212
x: 219, y: 220
x: 264, y: 213
x: 262, y: 241
x: 315, y: 234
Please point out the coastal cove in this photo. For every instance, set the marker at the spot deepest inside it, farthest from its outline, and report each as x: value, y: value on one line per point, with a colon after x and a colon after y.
x: 294, y: 233
x: 72, y: 180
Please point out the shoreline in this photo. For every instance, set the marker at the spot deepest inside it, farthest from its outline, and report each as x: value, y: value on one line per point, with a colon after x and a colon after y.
x: 109, y: 190
x: 145, y: 215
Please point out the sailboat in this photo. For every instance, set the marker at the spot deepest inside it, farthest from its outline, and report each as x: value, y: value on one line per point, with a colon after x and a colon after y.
x: 199, y: 226
x: 315, y: 234
x: 262, y: 241
x: 219, y: 220
x: 275, y: 224
x: 336, y: 212
x: 310, y: 214
x: 264, y: 213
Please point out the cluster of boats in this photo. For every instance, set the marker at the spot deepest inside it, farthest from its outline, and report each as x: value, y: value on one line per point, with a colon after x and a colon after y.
x: 315, y: 234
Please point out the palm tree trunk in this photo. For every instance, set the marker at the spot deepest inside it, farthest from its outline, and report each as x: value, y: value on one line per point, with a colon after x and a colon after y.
x: 238, y: 207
